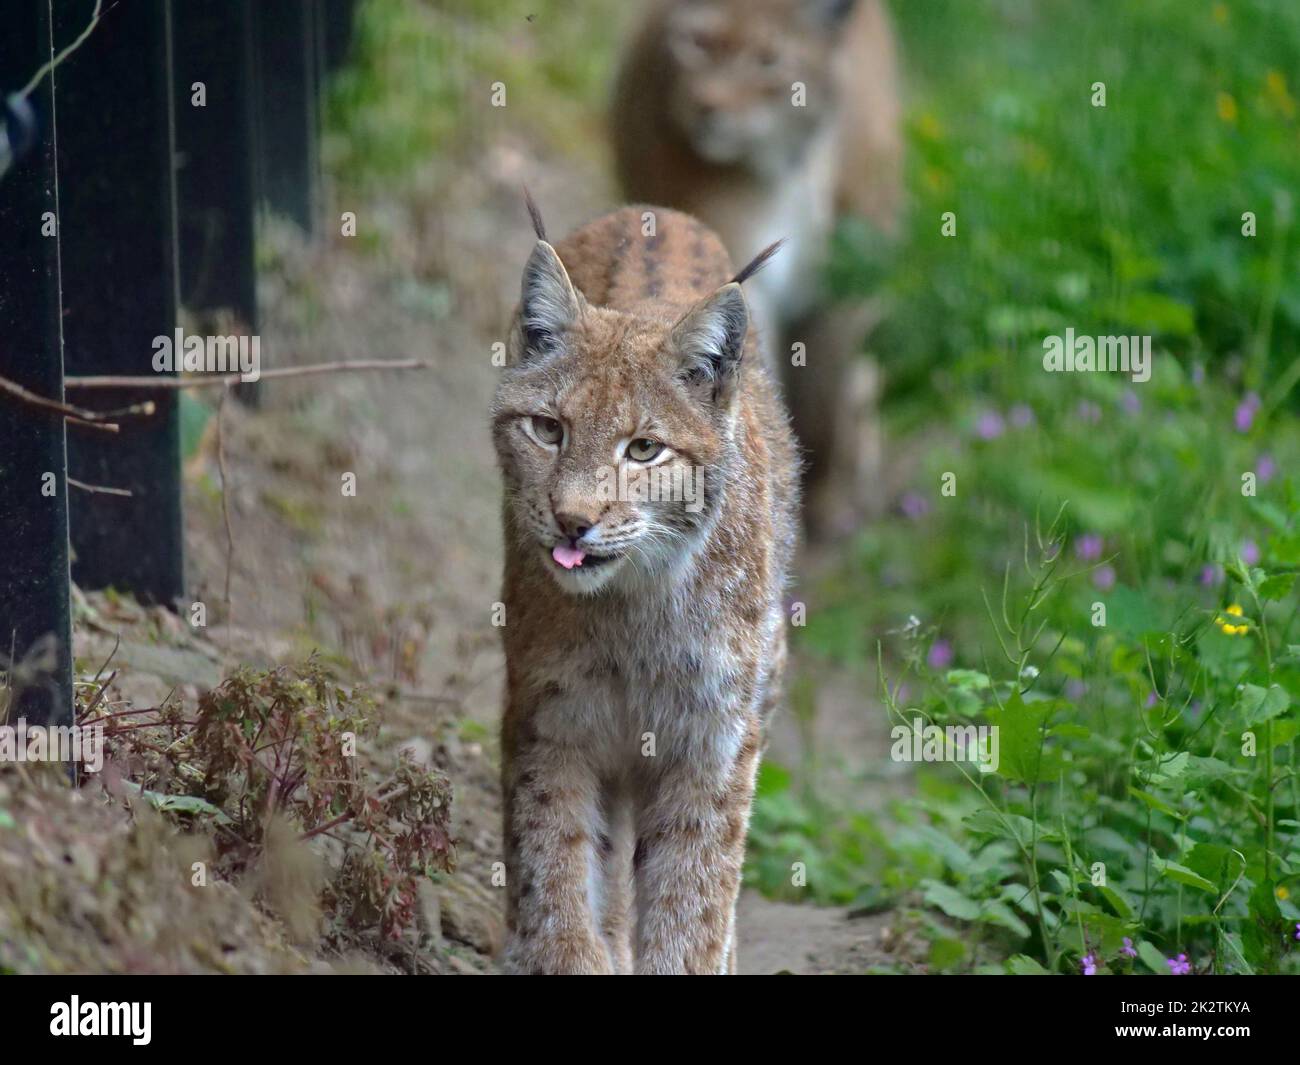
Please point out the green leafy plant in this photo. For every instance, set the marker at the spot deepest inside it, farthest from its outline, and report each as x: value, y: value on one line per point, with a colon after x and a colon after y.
x: 1104, y: 569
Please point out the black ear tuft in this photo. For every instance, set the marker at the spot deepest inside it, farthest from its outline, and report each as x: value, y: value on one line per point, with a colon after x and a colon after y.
x: 534, y: 213
x: 758, y: 262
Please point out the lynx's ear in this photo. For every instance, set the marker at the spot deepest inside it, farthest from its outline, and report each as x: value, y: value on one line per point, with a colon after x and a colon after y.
x: 549, y: 304
x: 710, y: 340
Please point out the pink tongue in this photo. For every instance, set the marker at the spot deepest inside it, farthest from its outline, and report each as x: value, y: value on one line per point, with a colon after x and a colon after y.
x: 568, y: 557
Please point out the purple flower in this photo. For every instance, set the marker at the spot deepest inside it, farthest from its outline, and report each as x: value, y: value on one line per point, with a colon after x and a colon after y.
x: 1127, y: 949
x: 1075, y: 689
x: 1152, y: 699
x: 1297, y: 930
x: 1198, y: 374
x: 1265, y: 468
x: 1211, y: 574
x: 1179, y: 966
x: 940, y: 656
x: 1244, y: 416
x: 1088, y: 547
x: 1021, y: 416
x: 1249, y: 552
x: 989, y: 426
x: 1088, y: 411
x: 914, y: 506
x: 1104, y: 577
x: 1130, y: 403
x: 1090, y: 965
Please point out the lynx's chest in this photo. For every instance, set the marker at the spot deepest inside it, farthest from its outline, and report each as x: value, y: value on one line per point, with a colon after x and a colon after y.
x: 634, y: 687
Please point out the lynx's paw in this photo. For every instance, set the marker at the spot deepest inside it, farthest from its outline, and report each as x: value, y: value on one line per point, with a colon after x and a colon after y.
x: 565, y: 954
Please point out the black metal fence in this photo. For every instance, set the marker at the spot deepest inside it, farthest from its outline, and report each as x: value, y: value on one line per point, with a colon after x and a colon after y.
x: 135, y: 171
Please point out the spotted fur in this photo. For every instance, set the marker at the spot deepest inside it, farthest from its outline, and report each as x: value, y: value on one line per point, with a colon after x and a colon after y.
x: 637, y: 689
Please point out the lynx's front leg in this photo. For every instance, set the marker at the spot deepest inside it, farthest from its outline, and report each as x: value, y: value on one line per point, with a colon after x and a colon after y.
x: 689, y: 851
x: 551, y: 830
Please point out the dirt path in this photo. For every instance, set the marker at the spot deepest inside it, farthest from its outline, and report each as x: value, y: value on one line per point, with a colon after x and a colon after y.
x: 782, y: 937
x: 401, y: 579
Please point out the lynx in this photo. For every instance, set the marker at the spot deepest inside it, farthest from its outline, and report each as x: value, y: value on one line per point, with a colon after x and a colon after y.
x: 644, y: 635
x: 766, y: 118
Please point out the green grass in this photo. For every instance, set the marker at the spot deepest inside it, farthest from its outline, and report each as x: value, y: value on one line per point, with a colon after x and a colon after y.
x: 420, y: 86
x: 1148, y: 787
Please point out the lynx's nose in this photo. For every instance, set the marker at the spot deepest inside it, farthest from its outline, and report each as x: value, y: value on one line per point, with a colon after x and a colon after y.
x: 576, y: 524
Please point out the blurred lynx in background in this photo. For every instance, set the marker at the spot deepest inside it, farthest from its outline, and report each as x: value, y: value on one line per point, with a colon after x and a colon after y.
x: 766, y: 118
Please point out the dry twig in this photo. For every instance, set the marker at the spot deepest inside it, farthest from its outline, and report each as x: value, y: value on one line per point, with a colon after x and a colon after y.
x: 99, y: 489
x: 212, y: 380
x: 94, y: 419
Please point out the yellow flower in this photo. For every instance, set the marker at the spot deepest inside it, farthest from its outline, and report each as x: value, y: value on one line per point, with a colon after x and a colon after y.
x: 1283, y: 894
x: 1220, y: 12
x: 935, y: 179
x: 1276, y: 91
x: 1036, y: 160
x: 1227, y: 627
x: 929, y: 127
x: 1227, y: 107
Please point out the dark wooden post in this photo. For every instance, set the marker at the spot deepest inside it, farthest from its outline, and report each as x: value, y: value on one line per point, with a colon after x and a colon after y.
x: 213, y: 69
x: 118, y: 238
x: 33, y: 464
x: 286, y: 111
x: 336, y: 31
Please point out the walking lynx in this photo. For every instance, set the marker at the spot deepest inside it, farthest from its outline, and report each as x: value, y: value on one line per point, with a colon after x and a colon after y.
x: 766, y: 118
x: 649, y: 516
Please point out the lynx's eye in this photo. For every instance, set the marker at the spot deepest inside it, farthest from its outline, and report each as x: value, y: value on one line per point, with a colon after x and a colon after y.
x: 644, y: 450
x: 547, y: 430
